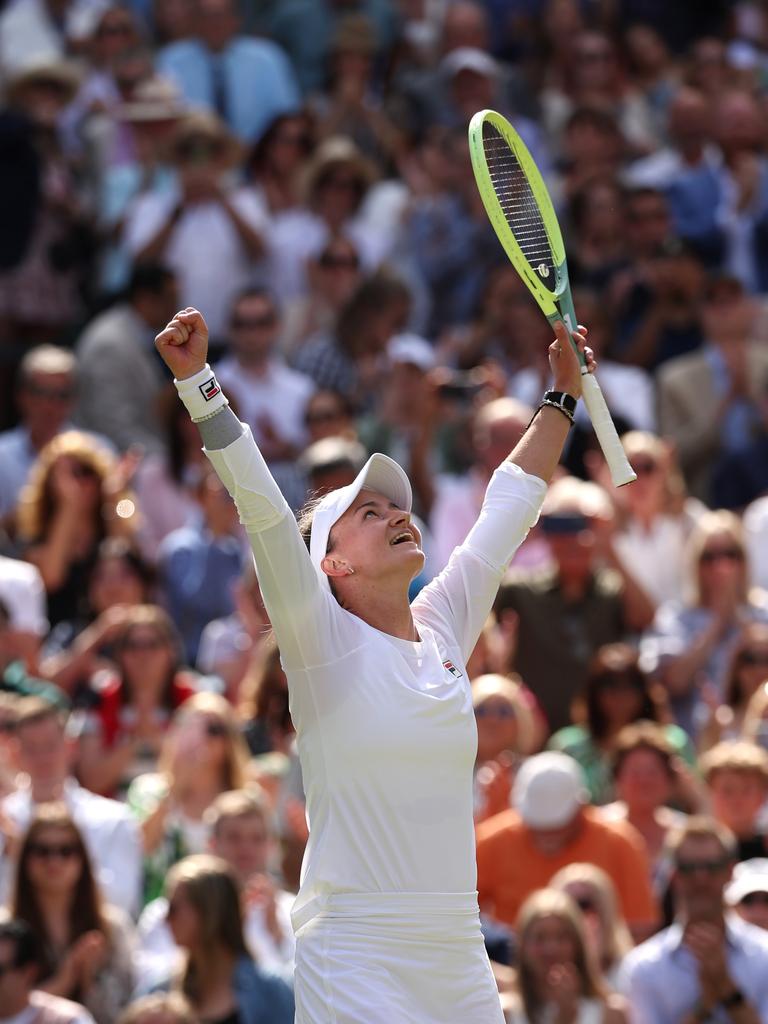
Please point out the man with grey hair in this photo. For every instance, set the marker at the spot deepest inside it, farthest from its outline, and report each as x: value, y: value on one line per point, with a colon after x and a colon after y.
x: 45, y: 397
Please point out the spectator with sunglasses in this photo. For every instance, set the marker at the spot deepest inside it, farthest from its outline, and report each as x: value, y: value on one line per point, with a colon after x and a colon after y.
x: 701, y: 632
x: 20, y: 999
x: 709, y: 965
x: 84, y: 945
x: 202, y: 756
x: 748, y: 668
x: 270, y: 396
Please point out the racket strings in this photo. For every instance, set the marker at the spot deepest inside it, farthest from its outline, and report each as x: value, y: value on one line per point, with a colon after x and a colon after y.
x: 518, y: 203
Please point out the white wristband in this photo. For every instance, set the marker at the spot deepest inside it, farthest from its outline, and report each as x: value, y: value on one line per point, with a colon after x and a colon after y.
x: 201, y: 394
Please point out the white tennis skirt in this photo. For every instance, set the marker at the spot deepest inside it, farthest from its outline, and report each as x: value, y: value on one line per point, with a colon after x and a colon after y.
x: 393, y: 958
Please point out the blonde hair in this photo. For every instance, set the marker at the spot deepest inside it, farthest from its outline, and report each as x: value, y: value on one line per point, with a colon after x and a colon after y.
x: 617, y: 941
x: 235, y: 768
x: 735, y: 756
x: 37, y: 501
x: 492, y: 684
x: 755, y: 713
x: 171, y: 1004
x: 211, y: 887
x: 553, y: 903
x: 714, y: 524
x: 239, y: 803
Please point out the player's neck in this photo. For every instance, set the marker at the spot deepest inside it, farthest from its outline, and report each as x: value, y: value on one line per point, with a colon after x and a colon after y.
x: 387, y: 611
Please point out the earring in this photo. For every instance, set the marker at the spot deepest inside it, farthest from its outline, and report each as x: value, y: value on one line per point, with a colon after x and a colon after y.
x: 350, y: 571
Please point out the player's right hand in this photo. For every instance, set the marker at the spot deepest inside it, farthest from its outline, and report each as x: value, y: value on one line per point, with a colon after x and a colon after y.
x: 183, y: 344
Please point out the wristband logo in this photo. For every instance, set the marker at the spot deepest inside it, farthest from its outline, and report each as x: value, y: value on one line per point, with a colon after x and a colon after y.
x: 210, y: 389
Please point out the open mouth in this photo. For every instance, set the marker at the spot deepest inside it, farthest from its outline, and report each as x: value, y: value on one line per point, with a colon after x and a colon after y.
x: 403, y: 538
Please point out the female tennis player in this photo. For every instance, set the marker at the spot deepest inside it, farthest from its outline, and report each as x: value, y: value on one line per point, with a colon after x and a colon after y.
x: 386, y: 919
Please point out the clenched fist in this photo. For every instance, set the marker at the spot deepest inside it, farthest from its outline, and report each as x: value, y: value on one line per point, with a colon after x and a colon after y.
x: 183, y: 344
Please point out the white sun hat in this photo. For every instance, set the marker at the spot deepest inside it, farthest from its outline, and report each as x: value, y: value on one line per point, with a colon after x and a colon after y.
x: 380, y: 474
x: 549, y: 789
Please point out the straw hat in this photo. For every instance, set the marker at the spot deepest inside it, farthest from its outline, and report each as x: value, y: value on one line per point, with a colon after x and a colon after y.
x: 156, y: 99
x: 336, y: 151
x: 63, y: 75
x: 203, y: 130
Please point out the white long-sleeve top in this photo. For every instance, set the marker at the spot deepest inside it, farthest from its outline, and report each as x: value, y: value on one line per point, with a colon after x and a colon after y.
x: 385, y: 728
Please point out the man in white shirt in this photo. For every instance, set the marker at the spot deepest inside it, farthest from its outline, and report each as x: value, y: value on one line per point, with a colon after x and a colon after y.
x: 19, y: 1002
x: 270, y: 397
x: 109, y: 829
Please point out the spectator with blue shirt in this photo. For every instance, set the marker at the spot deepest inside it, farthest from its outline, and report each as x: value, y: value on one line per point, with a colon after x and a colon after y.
x: 709, y: 967
x: 246, y: 81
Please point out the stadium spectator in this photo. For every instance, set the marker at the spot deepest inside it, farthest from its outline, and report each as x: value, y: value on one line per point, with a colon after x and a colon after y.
x: 45, y: 397
x: 270, y: 396
x: 607, y: 935
x: 244, y: 80
x: 199, y: 564
x: 707, y: 963
x: 23, y: 596
x: 159, y: 1008
x: 219, y: 976
x: 84, y: 943
x: 121, y: 728
x: 736, y: 774
x: 45, y: 758
x: 76, y: 495
x: 552, y: 826
x: 118, y: 378
x: 569, y: 609
x: 263, y: 704
x: 748, y: 668
x: 202, y: 755
x: 18, y: 996
x: 726, y: 376
x: 167, y: 224
x: 617, y: 694
x: 556, y: 975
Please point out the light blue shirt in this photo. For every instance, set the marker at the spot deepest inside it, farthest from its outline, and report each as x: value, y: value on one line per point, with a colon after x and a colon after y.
x: 257, y: 79
x: 660, y: 978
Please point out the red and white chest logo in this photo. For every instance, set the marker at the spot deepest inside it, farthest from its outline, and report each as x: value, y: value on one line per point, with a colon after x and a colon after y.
x: 455, y: 672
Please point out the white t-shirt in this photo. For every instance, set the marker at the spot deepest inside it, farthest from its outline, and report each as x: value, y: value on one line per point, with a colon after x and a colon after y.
x: 22, y: 591
x: 204, y: 250
x: 756, y: 537
x: 385, y: 728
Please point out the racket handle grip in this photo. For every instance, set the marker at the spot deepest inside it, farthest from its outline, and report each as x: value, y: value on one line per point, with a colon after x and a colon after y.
x: 605, y: 429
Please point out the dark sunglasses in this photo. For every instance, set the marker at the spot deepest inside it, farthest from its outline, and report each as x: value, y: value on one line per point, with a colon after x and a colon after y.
x: 294, y: 139
x: 753, y: 657
x: 244, y: 323
x: 47, y: 851
x: 586, y: 904
x: 754, y: 899
x: 644, y: 467
x: 721, y: 554
x: 331, y: 262
x: 150, y: 644
x: 709, y: 867
x: 215, y: 729
x: 620, y: 683
x: 494, y: 711
x: 323, y: 416
x: 52, y: 394
x: 83, y: 472
x: 7, y: 726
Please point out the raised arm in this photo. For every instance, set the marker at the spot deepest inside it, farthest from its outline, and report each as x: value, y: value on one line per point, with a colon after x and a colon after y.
x: 296, y: 604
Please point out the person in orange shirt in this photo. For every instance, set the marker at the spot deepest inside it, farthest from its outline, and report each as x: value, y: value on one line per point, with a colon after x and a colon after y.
x: 518, y: 851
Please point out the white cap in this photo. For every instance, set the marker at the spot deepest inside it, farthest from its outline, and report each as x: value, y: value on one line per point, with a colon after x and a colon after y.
x: 410, y: 348
x: 549, y: 790
x: 380, y: 474
x: 469, y: 58
x: 749, y: 876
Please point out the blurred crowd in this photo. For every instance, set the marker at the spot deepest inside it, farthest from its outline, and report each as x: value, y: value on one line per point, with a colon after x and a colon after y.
x: 298, y: 170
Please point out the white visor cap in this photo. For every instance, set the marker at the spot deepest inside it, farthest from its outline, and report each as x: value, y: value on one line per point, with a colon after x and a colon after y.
x: 380, y: 474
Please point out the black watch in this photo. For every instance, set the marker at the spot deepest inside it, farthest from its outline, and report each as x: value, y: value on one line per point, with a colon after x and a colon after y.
x: 566, y: 402
x: 734, y: 999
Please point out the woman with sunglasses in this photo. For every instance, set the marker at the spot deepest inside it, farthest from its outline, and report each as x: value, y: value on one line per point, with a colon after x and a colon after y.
x: 617, y: 693
x: 203, y: 755
x: 557, y: 977
x: 606, y: 931
x: 747, y: 670
x: 701, y: 633
x: 85, y: 944
x: 122, y: 728
x: 387, y: 920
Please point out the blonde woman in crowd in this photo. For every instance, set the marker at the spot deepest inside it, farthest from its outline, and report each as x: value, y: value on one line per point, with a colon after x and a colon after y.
x: 160, y: 1008
x: 747, y: 671
x: 558, y: 979
x: 202, y: 756
x: 219, y: 978
x: 506, y: 731
x: 86, y: 945
x: 607, y: 932
x: 74, y: 498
